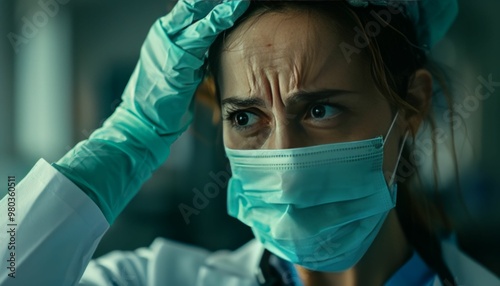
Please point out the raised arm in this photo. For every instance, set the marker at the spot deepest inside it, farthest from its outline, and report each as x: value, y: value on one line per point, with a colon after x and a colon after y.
x: 57, y: 226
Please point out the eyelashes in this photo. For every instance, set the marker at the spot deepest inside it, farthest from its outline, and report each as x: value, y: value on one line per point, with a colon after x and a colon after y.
x: 243, y: 119
x: 240, y: 119
x: 323, y: 111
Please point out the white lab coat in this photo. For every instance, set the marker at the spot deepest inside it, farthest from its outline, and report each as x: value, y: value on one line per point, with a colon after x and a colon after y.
x: 58, y: 228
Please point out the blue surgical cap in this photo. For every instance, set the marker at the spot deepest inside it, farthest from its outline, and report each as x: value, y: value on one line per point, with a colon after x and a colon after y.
x: 432, y: 18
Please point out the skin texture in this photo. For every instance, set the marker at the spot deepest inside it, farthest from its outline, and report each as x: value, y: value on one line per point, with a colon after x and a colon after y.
x: 270, y: 71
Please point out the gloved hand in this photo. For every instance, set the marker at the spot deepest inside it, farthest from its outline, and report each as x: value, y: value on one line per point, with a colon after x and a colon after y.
x: 157, y: 105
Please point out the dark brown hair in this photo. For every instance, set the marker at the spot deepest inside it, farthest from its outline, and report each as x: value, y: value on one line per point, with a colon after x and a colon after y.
x: 394, y: 55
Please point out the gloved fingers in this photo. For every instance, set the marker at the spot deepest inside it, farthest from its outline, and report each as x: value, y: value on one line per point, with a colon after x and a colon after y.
x: 185, y: 13
x: 197, y: 38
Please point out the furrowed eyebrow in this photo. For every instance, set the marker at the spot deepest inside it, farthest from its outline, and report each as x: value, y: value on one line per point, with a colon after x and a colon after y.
x: 311, y: 96
x: 243, y: 103
x: 296, y: 97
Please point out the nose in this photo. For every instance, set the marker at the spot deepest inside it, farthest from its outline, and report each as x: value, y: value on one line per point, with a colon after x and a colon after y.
x: 285, y: 135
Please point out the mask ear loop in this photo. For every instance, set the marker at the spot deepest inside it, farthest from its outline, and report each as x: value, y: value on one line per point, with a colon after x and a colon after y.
x: 399, y: 157
x: 390, y: 128
x: 391, y: 180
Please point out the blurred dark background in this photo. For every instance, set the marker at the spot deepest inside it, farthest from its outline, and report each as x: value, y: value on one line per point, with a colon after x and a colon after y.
x: 66, y: 76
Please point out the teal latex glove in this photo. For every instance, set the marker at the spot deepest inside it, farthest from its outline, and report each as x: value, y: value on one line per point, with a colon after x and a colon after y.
x: 134, y: 141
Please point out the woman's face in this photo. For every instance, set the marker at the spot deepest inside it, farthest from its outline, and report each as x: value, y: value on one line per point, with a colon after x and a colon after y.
x: 285, y: 83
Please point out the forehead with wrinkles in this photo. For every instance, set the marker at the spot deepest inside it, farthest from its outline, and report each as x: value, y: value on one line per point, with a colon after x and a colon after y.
x: 282, y: 52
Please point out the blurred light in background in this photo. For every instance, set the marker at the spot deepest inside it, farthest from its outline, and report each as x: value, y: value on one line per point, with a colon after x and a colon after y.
x: 5, y: 79
x: 43, y: 110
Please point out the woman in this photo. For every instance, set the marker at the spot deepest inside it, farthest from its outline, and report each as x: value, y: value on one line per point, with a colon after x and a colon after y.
x: 316, y: 115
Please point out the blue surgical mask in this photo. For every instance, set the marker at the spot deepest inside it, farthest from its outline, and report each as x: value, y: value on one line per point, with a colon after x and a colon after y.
x: 320, y: 207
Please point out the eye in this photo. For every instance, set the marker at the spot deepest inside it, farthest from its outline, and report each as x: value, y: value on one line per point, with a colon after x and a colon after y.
x: 244, y: 119
x: 323, y: 111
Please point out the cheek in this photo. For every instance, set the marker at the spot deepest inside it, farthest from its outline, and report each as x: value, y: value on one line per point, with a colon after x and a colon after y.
x: 227, y: 138
x: 232, y: 140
